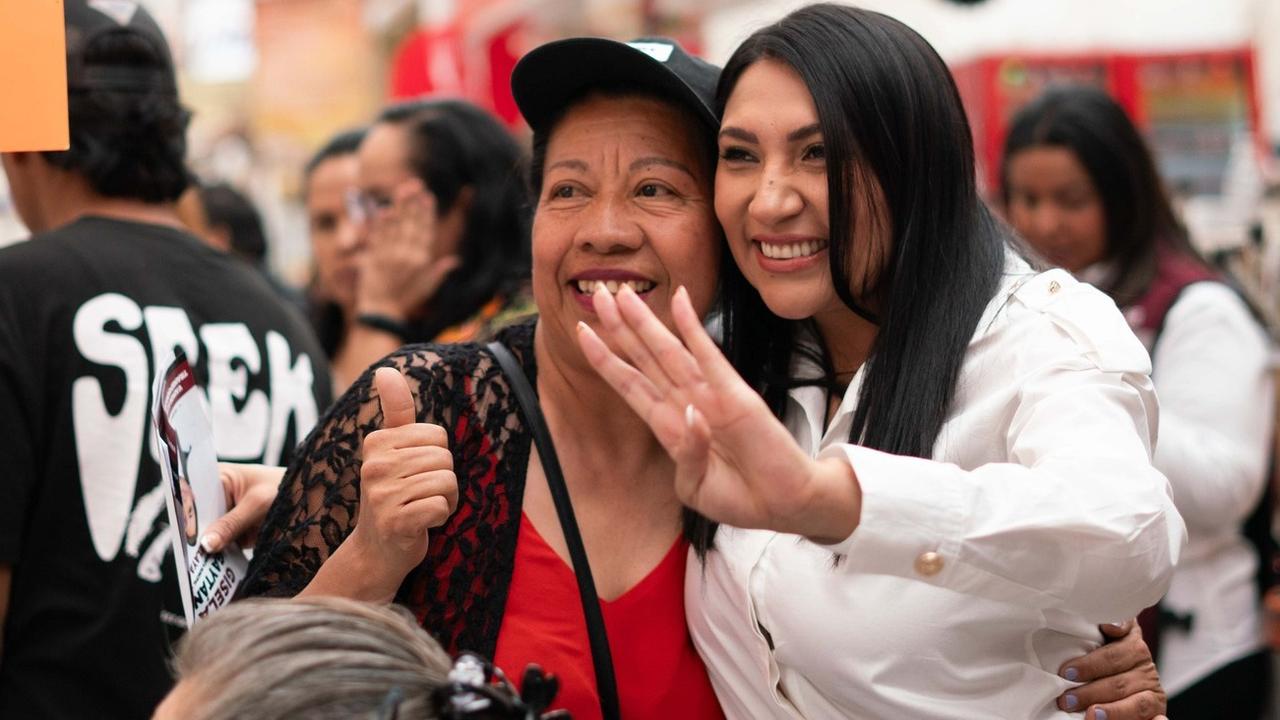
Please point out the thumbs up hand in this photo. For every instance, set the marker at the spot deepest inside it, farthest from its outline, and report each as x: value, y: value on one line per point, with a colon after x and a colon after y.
x: 407, y: 484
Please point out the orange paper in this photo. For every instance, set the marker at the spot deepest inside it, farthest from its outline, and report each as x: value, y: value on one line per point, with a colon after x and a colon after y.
x: 33, y: 76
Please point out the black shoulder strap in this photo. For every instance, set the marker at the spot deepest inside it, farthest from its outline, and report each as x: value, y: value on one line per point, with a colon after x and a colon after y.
x: 601, y: 658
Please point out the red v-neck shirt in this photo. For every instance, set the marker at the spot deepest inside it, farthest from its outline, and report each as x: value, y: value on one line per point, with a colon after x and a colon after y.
x: 660, y: 675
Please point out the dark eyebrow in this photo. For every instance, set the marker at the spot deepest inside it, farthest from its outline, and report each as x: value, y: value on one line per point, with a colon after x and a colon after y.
x: 739, y: 134
x: 667, y: 162
x: 804, y: 132
x: 794, y: 135
x: 569, y: 164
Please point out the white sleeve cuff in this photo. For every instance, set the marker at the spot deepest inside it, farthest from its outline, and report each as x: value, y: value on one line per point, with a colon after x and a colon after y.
x: 908, y: 528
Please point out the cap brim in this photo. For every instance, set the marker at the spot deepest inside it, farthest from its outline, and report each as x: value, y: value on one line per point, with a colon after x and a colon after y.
x: 550, y: 76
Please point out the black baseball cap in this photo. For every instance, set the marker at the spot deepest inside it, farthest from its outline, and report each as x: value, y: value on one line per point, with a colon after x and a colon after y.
x: 88, y: 21
x: 552, y: 75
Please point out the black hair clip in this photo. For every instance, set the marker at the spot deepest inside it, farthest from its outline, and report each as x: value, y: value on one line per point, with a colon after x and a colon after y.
x: 476, y: 690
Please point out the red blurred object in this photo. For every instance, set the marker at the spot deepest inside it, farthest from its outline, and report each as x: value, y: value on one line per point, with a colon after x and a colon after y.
x: 503, y: 54
x: 435, y: 61
x: 427, y: 62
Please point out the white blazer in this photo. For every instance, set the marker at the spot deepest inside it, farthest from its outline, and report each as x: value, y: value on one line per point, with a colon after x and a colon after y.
x: 974, y: 575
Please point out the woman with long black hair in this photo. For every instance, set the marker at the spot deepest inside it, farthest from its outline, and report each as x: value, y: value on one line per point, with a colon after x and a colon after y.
x: 1080, y: 184
x: 933, y: 465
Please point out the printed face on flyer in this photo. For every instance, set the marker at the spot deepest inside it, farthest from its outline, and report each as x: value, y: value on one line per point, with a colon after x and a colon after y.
x: 184, y: 437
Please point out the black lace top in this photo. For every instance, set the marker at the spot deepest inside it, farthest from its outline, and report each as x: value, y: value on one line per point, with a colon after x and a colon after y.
x: 459, y: 591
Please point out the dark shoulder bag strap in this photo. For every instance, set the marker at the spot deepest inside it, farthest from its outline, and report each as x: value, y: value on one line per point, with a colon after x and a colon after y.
x: 601, y: 658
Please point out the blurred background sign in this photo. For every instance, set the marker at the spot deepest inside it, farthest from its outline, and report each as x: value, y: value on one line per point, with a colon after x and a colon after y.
x: 1194, y: 107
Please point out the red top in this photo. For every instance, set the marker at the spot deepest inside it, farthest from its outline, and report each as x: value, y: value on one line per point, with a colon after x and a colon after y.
x: 659, y: 673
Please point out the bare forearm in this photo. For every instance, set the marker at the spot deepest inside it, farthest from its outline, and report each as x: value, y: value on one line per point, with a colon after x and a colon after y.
x: 347, y: 573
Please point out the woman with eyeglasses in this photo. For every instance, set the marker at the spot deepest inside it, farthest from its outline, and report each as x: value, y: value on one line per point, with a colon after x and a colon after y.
x: 420, y: 229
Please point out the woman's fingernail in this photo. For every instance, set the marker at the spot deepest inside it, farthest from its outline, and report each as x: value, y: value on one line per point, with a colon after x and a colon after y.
x: 1117, y: 626
x: 581, y: 326
x: 1071, y: 701
x: 688, y: 415
x: 1071, y: 674
x: 1099, y: 714
x: 207, y: 542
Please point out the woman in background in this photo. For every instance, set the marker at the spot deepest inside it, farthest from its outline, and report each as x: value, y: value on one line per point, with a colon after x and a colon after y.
x: 1080, y: 184
x: 329, y: 182
x: 438, y: 245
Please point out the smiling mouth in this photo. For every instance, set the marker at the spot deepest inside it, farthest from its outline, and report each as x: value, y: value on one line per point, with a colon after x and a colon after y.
x: 588, y: 287
x: 789, y: 251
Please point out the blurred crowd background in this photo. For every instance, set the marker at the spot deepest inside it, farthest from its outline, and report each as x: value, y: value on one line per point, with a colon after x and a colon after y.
x: 269, y: 80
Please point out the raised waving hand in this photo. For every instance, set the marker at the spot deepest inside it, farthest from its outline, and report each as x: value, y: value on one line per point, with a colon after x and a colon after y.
x: 735, y: 462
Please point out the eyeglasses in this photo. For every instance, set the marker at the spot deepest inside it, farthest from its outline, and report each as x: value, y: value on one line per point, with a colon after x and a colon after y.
x: 363, y: 206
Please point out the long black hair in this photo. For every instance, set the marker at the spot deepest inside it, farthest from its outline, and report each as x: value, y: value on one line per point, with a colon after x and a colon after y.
x: 1139, y: 216
x: 455, y: 145
x: 891, y: 119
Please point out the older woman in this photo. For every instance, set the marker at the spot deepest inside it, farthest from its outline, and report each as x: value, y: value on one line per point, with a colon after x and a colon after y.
x: 623, y: 163
x: 624, y: 197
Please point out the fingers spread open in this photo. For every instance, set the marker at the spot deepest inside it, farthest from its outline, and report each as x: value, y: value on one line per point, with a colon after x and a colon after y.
x: 714, y: 365
x: 636, y: 389
x: 628, y: 340
x: 692, y: 456
x: 674, y: 359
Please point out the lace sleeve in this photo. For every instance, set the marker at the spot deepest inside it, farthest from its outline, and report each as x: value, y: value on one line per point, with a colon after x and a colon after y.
x: 319, y: 497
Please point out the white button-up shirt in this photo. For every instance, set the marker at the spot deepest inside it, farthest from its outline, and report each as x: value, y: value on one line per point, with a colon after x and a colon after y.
x: 972, y: 576
x: 1212, y: 370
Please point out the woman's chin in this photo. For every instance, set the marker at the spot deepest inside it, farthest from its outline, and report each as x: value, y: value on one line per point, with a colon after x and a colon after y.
x: 790, y: 307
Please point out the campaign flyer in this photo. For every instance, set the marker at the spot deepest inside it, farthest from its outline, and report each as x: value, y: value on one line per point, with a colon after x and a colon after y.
x: 189, y: 469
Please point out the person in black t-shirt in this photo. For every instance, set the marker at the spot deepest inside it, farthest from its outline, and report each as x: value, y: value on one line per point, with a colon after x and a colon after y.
x: 91, y: 309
